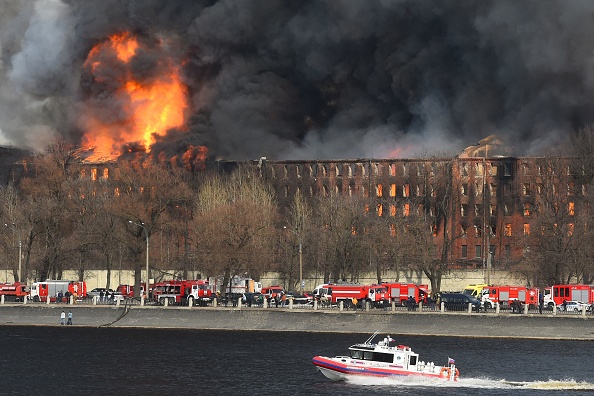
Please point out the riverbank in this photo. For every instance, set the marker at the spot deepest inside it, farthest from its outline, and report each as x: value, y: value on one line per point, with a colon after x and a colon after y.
x: 546, y: 326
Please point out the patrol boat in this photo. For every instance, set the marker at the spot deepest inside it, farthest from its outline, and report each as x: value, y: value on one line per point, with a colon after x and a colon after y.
x: 384, y: 359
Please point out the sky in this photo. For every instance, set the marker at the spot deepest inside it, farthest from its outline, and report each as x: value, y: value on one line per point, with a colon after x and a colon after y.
x: 316, y: 79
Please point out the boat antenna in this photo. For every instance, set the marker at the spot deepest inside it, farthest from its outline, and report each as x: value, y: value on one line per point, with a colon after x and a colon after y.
x: 372, y: 337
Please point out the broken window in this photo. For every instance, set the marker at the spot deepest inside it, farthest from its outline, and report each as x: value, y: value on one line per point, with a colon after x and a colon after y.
x: 338, y: 170
x: 392, y: 169
x: 392, y: 190
x: 477, y: 231
x: 406, y: 190
x: 106, y: 173
x: 480, y: 167
x: 464, y: 169
x: 478, y: 210
x: 527, y: 209
x: 379, y: 190
x: 404, y: 170
x: 527, y: 229
x: 526, y: 189
x: 351, y: 170
x: 571, y: 208
x: 493, y: 190
x: 508, y: 229
x: 406, y: 210
x: 478, y: 189
x: 93, y: 174
x: 526, y: 169
x: 463, y: 210
x: 507, y: 169
x: 380, y: 210
x: 493, y: 169
x: 463, y: 230
x: 464, y: 189
x: 493, y: 210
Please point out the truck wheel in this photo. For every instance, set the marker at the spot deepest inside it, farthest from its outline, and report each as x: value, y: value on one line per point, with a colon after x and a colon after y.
x: 36, y: 298
x: 488, y: 305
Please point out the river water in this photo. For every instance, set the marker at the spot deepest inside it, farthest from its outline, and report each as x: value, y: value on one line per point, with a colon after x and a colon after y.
x: 108, y: 361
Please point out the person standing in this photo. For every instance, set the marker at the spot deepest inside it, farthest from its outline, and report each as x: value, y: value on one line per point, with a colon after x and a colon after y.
x: 62, y: 318
x: 69, y: 318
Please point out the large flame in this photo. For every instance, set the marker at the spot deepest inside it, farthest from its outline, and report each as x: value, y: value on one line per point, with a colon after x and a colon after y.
x: 127, y: 109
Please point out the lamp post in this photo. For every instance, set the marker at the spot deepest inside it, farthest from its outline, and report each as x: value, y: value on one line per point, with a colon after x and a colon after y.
x: 141, y: 224
x: 300, y: 258
x: 20, y: 249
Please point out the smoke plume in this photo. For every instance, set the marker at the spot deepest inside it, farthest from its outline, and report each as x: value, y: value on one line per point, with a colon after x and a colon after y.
x: 313, y: 79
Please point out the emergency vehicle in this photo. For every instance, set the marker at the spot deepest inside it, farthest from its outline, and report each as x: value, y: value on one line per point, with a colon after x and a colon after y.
x: 505, y: 295
x: 41, y: 291
x: 556, y: 294
x: 14, y: 291
x: 400, y: 292
x: 127, y: 291
x: 272, y: 291
x: 331, y: 293
x: 196, y: 292
x: 475, y: 290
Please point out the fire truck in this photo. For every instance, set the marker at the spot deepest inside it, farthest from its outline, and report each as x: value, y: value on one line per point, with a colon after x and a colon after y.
x: 13, y: 292
x: 196, y: 292
x: 127, y: 291
x: 41, y: 291
x: 505, y: 295
x: 331, y: 293
x: 400, y: 292
x: 555, y: 294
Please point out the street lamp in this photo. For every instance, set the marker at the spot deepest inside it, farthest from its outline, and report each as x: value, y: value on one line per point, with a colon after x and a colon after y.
x: 20, y: 249
x: 300, y: 258
x: 141, y: 224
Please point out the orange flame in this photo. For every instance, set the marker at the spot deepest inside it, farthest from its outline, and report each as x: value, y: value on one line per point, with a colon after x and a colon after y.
x: 143, y: 108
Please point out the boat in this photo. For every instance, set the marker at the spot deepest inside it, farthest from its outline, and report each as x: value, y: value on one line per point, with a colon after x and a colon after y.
x: 383, y: 359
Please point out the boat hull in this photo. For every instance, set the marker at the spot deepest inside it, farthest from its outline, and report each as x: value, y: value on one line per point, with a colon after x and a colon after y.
x: 342, y: 368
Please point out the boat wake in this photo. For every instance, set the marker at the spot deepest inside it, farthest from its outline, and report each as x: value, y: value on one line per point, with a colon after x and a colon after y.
x: 477, y: 383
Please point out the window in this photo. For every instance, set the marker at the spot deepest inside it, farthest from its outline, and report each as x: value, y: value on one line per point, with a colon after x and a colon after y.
x: 507, y: 251
x: 508, y: 229
x: 493, y: 210
x: 380, y: 210
x: 392, y: 210
x: 478, y: 210
x: 570, y: 228
x: 526, y: 189
x: 406, y: 210
x: 527, y: 229
x: 464, y: 251
x: 464, y: 189
x: 464, y: 169
x: 493, y: 189
x: 507, y: 169
x: 478, y: 231
x: 478, y: 251
x: 571, y: 208
x: 392, y: 169
x: 463, y: 210
x: 463, y: 230
x: 527, y: 209
x: 379, y: 190
x: 406, y: 190
x: 392, y: 190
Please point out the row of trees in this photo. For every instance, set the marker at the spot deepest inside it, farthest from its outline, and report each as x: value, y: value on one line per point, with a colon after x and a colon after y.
x: 222, y: 225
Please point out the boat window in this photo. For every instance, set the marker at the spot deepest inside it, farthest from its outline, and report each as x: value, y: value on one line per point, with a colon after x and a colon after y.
x: 357, y: 354
x: 413, y: 360
x: 383, y: 357
x: 368, y: 355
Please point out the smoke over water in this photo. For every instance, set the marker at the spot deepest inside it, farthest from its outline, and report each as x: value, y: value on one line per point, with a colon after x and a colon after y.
x: 303, y: 79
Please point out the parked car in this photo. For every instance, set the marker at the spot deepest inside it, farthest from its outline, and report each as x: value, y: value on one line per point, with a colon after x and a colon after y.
x: 98, y: 291
x: 572, y: 305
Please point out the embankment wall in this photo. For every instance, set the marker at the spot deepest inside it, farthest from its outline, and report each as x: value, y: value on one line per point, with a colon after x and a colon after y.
x: 545, y: 326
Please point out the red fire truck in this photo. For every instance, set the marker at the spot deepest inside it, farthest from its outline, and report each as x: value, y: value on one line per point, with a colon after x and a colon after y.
x: 332, y: 293
x: 196, y: 292
x: 14, y: 291
x: 556, y: 294
x: 400, y: 292
x: 505, y: 295
x: 127, y: 291
x: 41, y: 291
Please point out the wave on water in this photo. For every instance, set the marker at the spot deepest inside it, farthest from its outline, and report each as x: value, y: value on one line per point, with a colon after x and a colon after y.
x: 477, y: 383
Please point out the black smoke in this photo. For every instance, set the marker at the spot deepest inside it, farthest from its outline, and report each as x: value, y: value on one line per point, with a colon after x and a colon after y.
x: 318, y: 79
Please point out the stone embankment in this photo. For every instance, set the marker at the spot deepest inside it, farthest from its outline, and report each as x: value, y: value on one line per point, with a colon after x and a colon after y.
x: 546, y: 326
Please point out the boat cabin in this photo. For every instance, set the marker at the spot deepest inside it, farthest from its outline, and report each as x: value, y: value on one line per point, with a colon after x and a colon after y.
x: 383, y: 352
